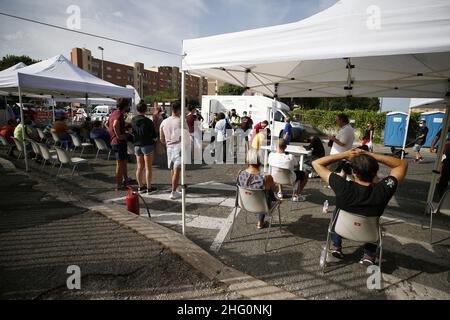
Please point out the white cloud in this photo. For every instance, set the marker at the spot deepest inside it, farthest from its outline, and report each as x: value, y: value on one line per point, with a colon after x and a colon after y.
x: 13, y: 36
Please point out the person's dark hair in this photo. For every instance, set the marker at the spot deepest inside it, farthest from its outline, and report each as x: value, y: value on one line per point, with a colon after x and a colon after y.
x: 221, y: 116
x: 365, y: 167
x: 245, y: 113
x: 282, y: 144
x: 97, y: 124
x: 142, y: 107
x: 11, y: 122
x: 343, y: 117
x: 265, y: 122
x: 176, y: 107
x: 191, y: 108
x: 88, y: 119
x: 365, y: 148
x: 123, y: 103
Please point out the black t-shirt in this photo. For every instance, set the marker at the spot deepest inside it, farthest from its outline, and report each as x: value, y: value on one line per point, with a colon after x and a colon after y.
x: 316, y: 146
x: 143, y: 131
x: 368, y: 201
x: 423, y: 131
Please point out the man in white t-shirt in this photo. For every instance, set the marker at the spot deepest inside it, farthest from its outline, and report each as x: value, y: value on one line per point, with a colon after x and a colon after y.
x: 281, y: 160
x: 343, y: 142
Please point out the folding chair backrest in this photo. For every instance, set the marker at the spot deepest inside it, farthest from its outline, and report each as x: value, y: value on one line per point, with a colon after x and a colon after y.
x: 35, y: 147
x: 444, y: 205
x: 45, y: 153
x: 76, y: 141
x: 18, y: 144
x: 357, y: 228
x: 281, y: 176
x: 55, y: 137
x: 253, y: 201
x: 63, y: 157
x: 101, y: 145
x: 4, y: 141
x: 41, y: 134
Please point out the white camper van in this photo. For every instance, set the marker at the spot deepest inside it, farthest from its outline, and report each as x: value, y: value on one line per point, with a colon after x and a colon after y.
x: 258, y: 108
x: 101, y: 113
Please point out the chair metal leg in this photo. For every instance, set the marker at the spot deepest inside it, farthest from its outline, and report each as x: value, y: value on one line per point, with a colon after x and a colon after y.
x: 82, y: 151
x: 59, y: 170
x: 109, y: 155
x: 96, y: 156
x: 431, y: 227
x: 279, y: 217
x: 73, y: 170
x: 232, y: 224
x: 268, y: 233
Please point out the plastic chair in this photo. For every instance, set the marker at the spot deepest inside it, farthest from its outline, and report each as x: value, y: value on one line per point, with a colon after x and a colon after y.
x: 19, y: 146
x: 102, y: 146
x: 355, y: 228
x: 64, y: 158
x: 255, y: 201
x: 36, y: 149
x: 78, y: 144
x: 41, y: 135
x: 5, y: 142
x: 130, y: 149
x: 283, y: 177
x: 47, y: 155
x: 443, y: 207
x: 56, y: 139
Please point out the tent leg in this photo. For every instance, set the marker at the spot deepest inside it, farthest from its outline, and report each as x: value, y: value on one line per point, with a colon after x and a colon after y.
x: 22, y: 121
x: 183, y: 154
x: 440, y: 153
x: 406, y: 134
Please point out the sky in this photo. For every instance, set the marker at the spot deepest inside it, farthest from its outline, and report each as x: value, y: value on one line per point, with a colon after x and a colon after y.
x: 162, y: 24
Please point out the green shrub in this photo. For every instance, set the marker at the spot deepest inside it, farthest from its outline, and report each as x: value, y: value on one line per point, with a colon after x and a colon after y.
x: 325, y: 121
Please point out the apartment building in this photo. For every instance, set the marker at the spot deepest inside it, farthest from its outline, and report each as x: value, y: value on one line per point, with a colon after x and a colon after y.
x: 146, y: 81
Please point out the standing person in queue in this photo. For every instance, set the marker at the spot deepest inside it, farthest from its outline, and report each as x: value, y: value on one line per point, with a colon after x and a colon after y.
x: 119, y: 138
x: 287, y: 132
x: 221, y: 129
x: 170, y: 135
x: 369, y: 134
x: 343, y: 142
x: 366, y: 196
x: 144, y: 147
x: 421, y: 139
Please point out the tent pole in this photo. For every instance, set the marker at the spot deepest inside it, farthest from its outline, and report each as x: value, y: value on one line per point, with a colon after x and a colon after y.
x: 440, y: 153
x: 22, y: 121
x: 406, y: 134
x: 183, y: 154
x: 53, y: 109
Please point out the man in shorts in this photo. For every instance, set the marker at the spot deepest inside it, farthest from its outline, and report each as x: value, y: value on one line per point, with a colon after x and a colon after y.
x: 170, y: 135
x: 421, y: 139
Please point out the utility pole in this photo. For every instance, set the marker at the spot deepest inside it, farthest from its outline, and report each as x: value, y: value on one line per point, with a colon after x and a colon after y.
x: 101, y: 49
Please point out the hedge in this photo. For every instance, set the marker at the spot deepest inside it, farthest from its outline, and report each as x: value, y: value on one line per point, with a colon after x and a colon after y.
x: 325, y: 121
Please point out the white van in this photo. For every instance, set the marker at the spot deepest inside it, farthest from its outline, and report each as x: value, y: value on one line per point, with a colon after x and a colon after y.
x: 101, y: 113
x: 257, y: 107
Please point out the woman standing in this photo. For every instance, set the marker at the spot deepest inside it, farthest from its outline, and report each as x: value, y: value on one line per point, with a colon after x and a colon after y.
x: 144, y: 143
x: 368, y: 136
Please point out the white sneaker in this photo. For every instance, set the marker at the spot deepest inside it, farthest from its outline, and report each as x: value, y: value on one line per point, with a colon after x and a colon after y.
x: 175, y: 195
x: 280, y: 195
x: 298, y: 198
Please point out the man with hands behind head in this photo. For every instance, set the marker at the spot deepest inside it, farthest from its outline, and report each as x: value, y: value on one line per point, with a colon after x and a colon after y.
x: 364, y: 196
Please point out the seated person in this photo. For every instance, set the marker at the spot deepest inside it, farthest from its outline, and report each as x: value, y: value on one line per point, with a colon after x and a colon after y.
x: 7, y: 130
x: 254, y: 178
x: 282, y: 160
x: 98, y: 132
x: 362, y: 197
x: 61, y: 130
x: 316, y: 145
x: 29, y: 133
x: 445, y: 171
x: 86, y: 128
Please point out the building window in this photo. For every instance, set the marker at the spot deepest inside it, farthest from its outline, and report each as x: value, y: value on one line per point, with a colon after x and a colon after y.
x: 118, y: 70
x: 108, y: 68
x: 119, y: 78
x: 109, y: 76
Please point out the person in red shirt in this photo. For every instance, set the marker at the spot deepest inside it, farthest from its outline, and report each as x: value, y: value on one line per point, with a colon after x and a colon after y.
x: 7, y: 130
x: 119, y: 141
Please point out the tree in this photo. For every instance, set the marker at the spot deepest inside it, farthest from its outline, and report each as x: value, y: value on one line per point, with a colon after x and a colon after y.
x: 10, y: 60
x: 338, y: 104
x: 231, y: 90
x: 164, y: 95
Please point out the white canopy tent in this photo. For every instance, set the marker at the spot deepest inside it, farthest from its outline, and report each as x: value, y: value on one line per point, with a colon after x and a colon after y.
x: 58, y: 77
x: 90, y: 101
x: 356, y: 48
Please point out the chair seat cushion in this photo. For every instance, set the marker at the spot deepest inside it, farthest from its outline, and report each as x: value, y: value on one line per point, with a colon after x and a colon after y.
x: 86, y: 144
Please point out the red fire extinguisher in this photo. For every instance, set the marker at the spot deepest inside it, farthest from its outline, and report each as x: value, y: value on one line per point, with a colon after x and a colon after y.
x: 133, y: 205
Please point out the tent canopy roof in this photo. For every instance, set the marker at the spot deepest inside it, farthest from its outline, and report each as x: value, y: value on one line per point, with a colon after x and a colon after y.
x: 57, y: 76
x: 360, y: 48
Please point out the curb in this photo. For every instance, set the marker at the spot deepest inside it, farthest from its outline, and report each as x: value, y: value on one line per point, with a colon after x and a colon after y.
x: 238, y: 282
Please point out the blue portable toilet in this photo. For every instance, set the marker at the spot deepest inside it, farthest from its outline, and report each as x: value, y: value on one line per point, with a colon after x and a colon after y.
x: 395, y: 129
x: 435, y: 122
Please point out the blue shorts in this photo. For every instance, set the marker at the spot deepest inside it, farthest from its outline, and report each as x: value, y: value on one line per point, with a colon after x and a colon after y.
x: 141, y: 151
x: 120, y: 151
x: 417, y: 148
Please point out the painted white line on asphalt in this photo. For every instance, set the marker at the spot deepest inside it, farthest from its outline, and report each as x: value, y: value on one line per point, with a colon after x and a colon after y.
x: 191, y: 198
x: 222, y: 235
x: 397, y: 216
x: 193, y: 221
x: 212, y: 185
